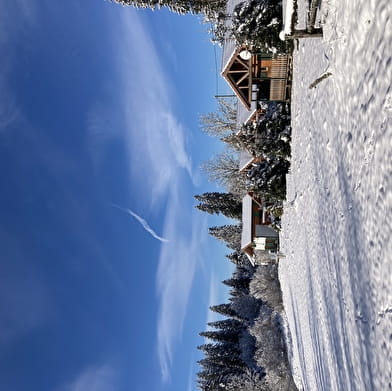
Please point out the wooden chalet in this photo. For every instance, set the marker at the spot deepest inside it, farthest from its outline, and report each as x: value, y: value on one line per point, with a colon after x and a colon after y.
x: 253, y: 76
x: 258, y: 240
x: 260, y: 78
x: 244, y: 117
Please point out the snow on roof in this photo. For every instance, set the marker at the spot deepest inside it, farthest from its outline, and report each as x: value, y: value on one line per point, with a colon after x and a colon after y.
x: 245, y: 159
x: 243, y: 115
x: 246, y: 235
x: 229, y: 46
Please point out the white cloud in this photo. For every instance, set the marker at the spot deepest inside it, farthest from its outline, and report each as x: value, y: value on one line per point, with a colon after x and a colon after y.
x: 98, y: 378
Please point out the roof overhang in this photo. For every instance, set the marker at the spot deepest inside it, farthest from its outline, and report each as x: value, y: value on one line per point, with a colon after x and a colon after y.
x: 251, y: 115
x: 245, y: 160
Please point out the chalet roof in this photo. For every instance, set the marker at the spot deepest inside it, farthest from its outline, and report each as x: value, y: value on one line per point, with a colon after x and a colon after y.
x: 229, y: 46
x: 261, y: 230
x: 243, y: 114
x: 245, y: 159
x: 246, y: 235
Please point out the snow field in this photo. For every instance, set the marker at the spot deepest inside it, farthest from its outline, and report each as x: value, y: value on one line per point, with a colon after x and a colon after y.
x: 337, y: 274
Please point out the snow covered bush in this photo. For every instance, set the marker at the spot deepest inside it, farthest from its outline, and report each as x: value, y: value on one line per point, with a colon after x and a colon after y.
x: 271, y: 135
x: 270, y: 350
x: 247, y: 381
x: 246, y: 307
x: 257, y: 23
x: 266, y: 287
x: 269, y: 178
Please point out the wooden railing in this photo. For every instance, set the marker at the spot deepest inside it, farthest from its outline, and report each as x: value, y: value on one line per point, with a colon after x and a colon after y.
x: 279, y: 72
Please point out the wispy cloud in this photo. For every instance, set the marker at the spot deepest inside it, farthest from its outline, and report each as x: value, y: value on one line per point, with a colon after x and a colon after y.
x: 16, y: 19
x: 157, y: 147
x: 146, y: 122
x: 176, y: 271
x: 213, y: 298
x: 191, y: 379
x: 98, y: 378
x: 142, y: 221
x: 24, y: 300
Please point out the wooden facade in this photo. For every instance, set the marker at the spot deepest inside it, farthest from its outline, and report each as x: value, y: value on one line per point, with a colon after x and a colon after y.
x: 261, y: 78
x: 257, y: 235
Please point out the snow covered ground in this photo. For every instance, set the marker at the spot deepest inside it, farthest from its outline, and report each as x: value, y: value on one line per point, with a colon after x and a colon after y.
x: 337, y: 226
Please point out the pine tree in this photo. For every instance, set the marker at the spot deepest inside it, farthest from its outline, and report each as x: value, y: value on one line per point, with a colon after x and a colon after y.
x: 222, y: 353
x: 246, y: 307
x: 230, y: 234
x: 228, y: 335
x: 227, y: 204
x: 238, y: 258
x: 239, y: 284
x: 224, y: 309
x: 208, y: 7
x: 229, y: 324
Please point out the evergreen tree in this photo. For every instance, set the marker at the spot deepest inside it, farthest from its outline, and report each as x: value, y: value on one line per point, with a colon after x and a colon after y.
x: 228, y: 335
x: 227, y: 204
x: 230, y: 234
x: 238, y: 258
x: 246, y: 307
x: 228, y: 363
x: 180, y: 6
x: 224, y: 309
x: 239, y: 284
x: 226, y: 354
x: 225, y: 324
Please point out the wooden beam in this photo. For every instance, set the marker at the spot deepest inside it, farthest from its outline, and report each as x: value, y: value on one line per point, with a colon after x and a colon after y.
x: 238, y: 71
x: 318, y: 32
x: 238, y: 58
x: 242, y: 78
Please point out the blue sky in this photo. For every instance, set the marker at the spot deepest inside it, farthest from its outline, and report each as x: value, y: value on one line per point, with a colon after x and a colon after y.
x: 99, y: 107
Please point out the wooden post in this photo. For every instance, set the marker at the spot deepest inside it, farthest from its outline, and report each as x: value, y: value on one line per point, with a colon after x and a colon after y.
x: 305, y: 34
